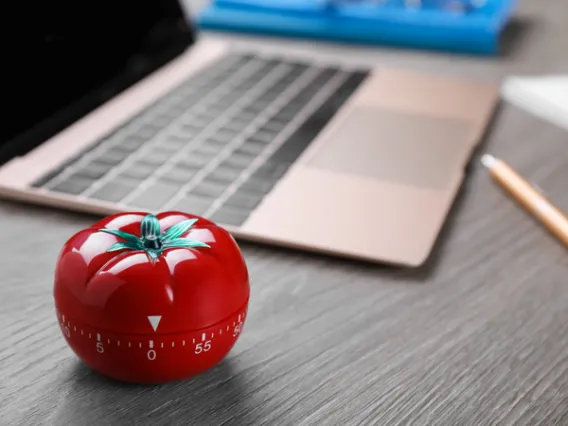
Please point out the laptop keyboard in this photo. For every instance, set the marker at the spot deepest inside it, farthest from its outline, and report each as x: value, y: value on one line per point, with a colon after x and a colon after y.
x: 217, y: 144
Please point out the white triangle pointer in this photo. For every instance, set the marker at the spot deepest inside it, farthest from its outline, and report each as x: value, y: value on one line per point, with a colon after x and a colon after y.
x: 154, y: 321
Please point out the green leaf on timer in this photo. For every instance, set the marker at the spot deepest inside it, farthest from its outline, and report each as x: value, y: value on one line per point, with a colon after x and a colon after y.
x: 125, y: 245
x: 150, y: 240
x: 124, y: 235
x: 184, y: 243
x: 177, y: 230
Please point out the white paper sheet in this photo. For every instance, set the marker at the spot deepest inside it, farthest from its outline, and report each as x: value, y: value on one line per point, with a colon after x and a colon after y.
x: 544, y: 96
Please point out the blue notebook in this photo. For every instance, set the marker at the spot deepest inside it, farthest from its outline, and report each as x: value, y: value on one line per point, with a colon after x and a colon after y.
x: 465, y: 26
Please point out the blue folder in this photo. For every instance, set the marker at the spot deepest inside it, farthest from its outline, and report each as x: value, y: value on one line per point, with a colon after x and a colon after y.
x: 464, y: 26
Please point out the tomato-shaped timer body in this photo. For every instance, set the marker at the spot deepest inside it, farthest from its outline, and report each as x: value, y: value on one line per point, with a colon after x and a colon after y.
x: 151, y: 298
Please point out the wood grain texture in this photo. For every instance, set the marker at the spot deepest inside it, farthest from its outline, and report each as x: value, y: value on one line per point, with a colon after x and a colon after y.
x: 479, y: 336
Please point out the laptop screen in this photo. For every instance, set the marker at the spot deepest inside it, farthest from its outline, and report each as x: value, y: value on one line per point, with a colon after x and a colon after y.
x: 63, y: 58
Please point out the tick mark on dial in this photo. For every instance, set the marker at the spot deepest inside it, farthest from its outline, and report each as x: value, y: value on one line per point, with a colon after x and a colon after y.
x: 98, y: 337
x: 183, y: 343
x: 172, y: 344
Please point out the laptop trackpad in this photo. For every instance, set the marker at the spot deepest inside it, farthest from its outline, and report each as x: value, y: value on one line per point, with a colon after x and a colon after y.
x: 405, y: 148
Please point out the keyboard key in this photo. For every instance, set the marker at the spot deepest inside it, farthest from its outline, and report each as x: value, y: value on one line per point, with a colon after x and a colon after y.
x: 205, y: 118
x: 174, y: 142
x: 155, y: 196
x: 214, y: 110
x: 244, y: 200
x: 271, y: 170
x: 232, y: 96
x: 207, y: 114
x: 209, y: 189
x: 147, y: 131
x: 73, y: 185
x: 161, y: 120
x: 114, y: 191
x: 273, y: 126
x: 194, y: 161
x: 289, y: 78
x: 234, y: 169
x: 224, y: 175
x: 253, y: 110
x: 203, y: 153
x: 355, y: 80
x: 129, y: 144
x: 190, y: 129
x: 212, y: 147
x: 224, y: 136
x: 193, y: 204
x: 259, y: 105
x: 139, y: 170
x: 189, y: 100
x: 172, y: 147
x: 244, y: 116
x: 112, y: 157
x: 298, y: 67
x: 229, y: 215
x: 292, y: 107
x: 94, y: 170
x: 286, y: 115
x: 239, y: 160
x: 251, y: 147
x: 256, y: 184
x: 175, y: 111
x: 156, y: 156
x: 262, y: 136
x: 43, y: 180
x: 236, y: 126
x: 179, y: 174
x: 116, y: 152
x: 326, y: 75
x: 195, y: 122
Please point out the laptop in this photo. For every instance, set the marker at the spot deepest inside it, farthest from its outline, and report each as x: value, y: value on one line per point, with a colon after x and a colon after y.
x: 122, y: 107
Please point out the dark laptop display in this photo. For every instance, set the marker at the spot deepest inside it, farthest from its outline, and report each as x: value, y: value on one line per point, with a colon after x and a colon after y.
x: 61, y: 59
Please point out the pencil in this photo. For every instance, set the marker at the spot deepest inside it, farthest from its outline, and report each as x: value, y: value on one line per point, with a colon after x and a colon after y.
x: 528, y: 196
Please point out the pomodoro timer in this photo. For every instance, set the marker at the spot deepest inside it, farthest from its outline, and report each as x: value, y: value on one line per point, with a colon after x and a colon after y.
x: 151, y: 298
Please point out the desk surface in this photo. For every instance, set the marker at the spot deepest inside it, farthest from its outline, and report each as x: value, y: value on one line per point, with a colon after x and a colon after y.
x: 478, y: 337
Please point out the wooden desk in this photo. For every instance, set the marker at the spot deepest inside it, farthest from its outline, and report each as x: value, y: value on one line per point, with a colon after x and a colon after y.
x: 479, y: 337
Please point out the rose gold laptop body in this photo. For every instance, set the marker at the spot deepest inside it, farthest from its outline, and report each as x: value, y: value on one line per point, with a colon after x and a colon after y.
x: 376, y: 184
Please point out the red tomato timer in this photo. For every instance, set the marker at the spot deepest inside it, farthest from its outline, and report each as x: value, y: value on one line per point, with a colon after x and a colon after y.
x: 151, y: 299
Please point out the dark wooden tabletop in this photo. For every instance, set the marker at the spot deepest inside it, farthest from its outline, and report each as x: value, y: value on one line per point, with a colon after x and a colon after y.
x: 479, y: 336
